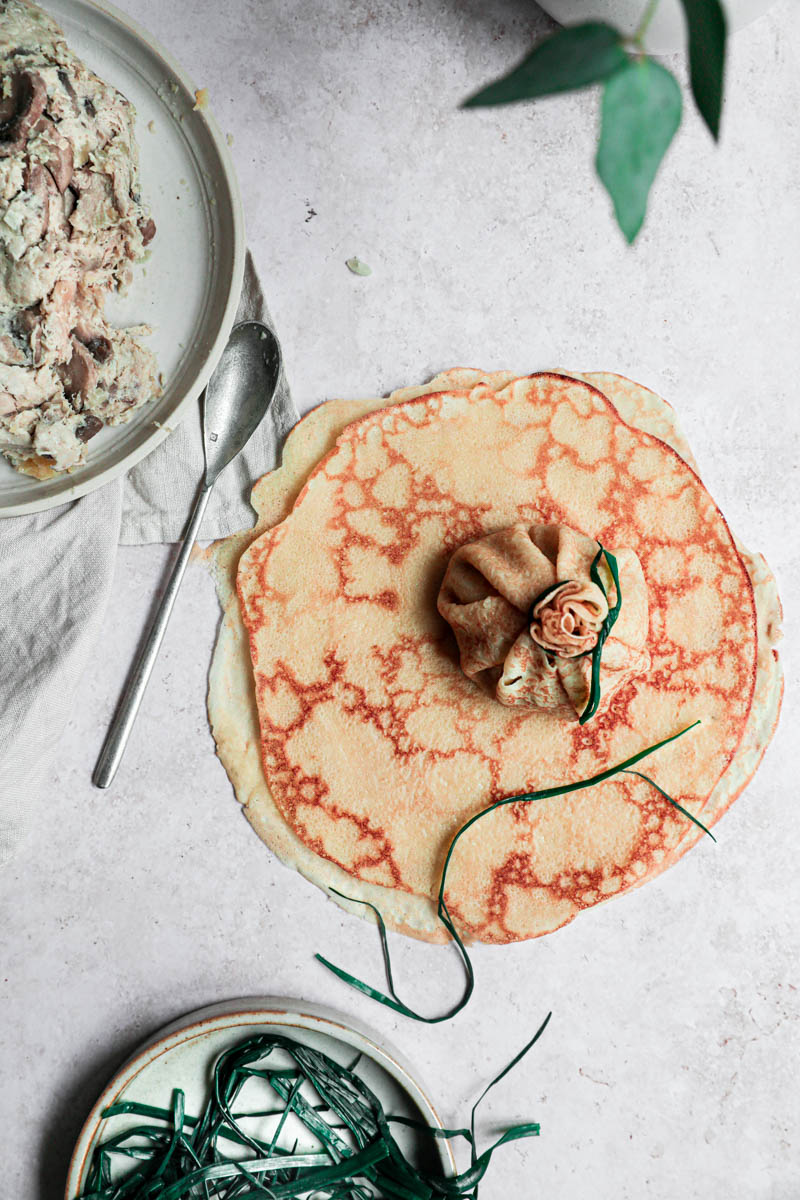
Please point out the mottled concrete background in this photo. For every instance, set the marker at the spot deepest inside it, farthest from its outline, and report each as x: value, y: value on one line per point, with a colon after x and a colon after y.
x: 670, y: 1067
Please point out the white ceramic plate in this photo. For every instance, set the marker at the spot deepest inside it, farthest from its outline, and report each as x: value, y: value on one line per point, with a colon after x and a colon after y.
x: 183, y: 1053
x: 189, y: 287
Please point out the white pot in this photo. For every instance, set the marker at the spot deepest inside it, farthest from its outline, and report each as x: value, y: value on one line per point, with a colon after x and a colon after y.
x: 667, y: 30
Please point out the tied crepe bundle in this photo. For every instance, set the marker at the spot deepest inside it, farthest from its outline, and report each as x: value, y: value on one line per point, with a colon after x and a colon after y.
x: 527, y: 615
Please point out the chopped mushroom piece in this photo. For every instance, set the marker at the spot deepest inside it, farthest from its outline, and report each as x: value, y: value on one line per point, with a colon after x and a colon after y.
x: 148, y: 231
x: 54, y: 150
x: 89, y: 428
x: 23, y: 102
x: 79, y: 375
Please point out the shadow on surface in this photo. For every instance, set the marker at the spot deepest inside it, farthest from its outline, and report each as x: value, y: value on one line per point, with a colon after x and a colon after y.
x: 492, y: 19
x: 64, y: 1118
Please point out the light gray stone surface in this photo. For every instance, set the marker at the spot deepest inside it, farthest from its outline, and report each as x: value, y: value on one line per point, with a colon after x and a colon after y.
x: 670, y: 1067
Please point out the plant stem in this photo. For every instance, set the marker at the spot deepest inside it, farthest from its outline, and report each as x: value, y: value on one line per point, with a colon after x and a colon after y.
x: 647, y: 16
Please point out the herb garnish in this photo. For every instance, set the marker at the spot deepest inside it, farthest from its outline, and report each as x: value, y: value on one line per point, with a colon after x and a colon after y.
x: 357, y: 267
x: 674, y: 803
x: 605, y: 629
x: 392, y: 1000
x: 355, y: 1154
x: 642, y: 104
x: 611, y: 616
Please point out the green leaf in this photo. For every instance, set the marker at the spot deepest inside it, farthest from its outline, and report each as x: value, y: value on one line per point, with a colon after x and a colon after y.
x: 574, y: 57
x: 357, y: 267
x: 641, y: 112
x: 707, y: 31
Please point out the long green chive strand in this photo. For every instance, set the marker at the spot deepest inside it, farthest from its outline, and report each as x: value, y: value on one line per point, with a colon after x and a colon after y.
x: 593, y: 700
x: 392, y: 1000
x: 608, y: 624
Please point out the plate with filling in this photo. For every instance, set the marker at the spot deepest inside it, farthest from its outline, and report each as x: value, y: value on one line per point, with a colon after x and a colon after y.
x: 121, y: 248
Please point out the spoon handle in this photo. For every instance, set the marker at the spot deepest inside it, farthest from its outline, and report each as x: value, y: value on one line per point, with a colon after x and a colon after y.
x: 124, y: 717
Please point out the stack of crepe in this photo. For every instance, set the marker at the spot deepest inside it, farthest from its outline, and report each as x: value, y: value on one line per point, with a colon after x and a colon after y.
x: 356, y: 744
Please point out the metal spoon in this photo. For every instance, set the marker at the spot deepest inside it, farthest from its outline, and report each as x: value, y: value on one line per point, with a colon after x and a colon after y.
x: 236, y: 399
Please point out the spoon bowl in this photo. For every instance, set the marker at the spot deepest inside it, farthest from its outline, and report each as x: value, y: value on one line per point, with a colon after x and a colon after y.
x: 239, y: 394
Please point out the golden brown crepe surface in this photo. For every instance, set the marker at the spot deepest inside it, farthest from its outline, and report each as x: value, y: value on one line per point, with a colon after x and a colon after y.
x: 371, y: 773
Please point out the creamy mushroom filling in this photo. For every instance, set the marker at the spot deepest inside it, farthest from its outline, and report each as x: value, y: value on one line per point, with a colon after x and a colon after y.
x: 72, y: 224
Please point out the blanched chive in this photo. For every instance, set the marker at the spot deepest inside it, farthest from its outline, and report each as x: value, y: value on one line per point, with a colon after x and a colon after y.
x: 674, y: 803
x: 185, y: 1162
x: 608, y: 624
x: 392, y: 1000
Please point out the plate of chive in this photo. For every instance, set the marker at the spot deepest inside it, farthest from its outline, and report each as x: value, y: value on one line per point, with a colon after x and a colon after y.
x: 260, y: 1096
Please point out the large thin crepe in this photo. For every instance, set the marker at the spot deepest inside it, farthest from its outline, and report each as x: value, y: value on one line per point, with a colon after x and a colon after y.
x: 375, y: 746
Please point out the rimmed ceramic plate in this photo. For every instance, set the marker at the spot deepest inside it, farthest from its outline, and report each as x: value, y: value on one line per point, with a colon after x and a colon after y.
x: 183, y: 1054
x: 189, y: 288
